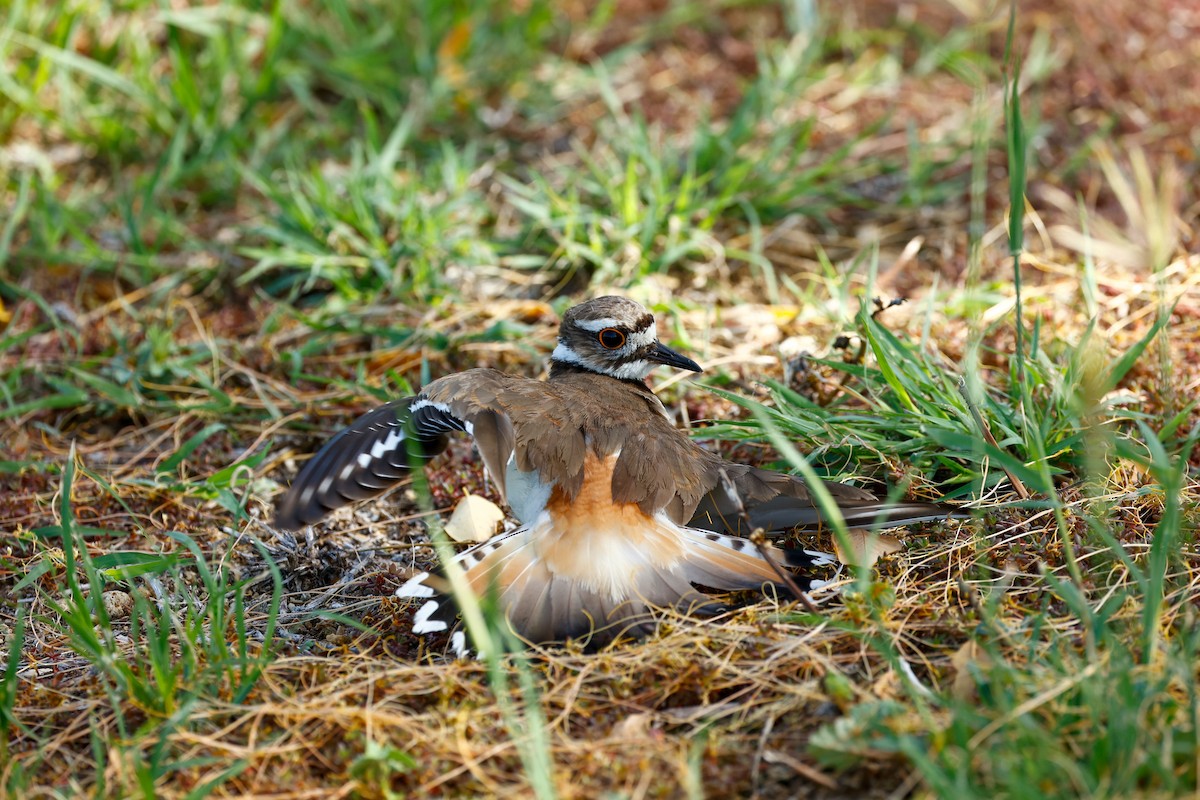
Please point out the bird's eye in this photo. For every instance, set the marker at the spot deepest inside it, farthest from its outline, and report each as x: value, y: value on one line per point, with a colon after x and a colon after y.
x: 611, y: 338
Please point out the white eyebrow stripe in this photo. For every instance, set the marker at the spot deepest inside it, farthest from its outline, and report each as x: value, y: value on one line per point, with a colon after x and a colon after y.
x: 597, y: 325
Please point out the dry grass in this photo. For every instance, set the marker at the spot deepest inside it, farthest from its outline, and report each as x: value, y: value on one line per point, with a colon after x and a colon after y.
x: 968, y: 635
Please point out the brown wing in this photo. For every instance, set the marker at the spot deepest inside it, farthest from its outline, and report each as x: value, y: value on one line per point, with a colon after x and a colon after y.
x: 777, y: 502
x: 547, y: 429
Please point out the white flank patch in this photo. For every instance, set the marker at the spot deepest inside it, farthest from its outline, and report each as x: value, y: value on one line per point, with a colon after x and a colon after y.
x: 422, y: 622
x: 527, y: 494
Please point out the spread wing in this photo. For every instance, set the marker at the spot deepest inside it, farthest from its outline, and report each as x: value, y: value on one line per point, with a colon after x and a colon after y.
x: 545, y: 430
x: 381, y: 447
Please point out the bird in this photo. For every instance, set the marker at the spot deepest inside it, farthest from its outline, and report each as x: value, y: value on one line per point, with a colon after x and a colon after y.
x: 620, y: 512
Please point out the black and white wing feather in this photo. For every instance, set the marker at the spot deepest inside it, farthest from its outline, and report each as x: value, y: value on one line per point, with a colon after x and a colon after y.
x: 381, y: 447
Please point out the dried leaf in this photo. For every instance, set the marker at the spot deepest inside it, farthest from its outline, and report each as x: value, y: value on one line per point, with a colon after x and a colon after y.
x: 964, y: 682
x: 456, y: 41
x: 638, y: 726
x: 475, y: 519
x: 865, y: 547
x: 993, y: 591
x: 451, y: 52
x: 892, y: 685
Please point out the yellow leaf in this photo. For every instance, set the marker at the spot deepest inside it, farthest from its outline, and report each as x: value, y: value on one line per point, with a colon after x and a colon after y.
x: 450, y: 53
x: 475, y: 519
x: 964, y: 682
x: 638, y: 726
x: 865, y: 547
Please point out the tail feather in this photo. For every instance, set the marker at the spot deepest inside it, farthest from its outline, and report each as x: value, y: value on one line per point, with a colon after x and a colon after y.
x: 569, y: 607
x: 732, y: 564
x: 532, y: 604
x: 629, y: 616
x: 544, y: 606
x: 660, y: 589
x: 439, y: 613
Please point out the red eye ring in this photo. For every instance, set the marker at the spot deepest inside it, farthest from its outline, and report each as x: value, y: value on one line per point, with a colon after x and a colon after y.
x: 611, y: 338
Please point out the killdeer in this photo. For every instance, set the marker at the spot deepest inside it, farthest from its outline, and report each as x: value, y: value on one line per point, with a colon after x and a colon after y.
x: 620, y: 511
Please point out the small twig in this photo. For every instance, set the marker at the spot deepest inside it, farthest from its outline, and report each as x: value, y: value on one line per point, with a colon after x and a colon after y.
x: 758, y: 754
x: 758, y: 537
x: 880, y: 306
x: 800, y: 768
x: 910, y: 782
x: 1017, y: 485
x: 812, y: 382
x: 843, y: 342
